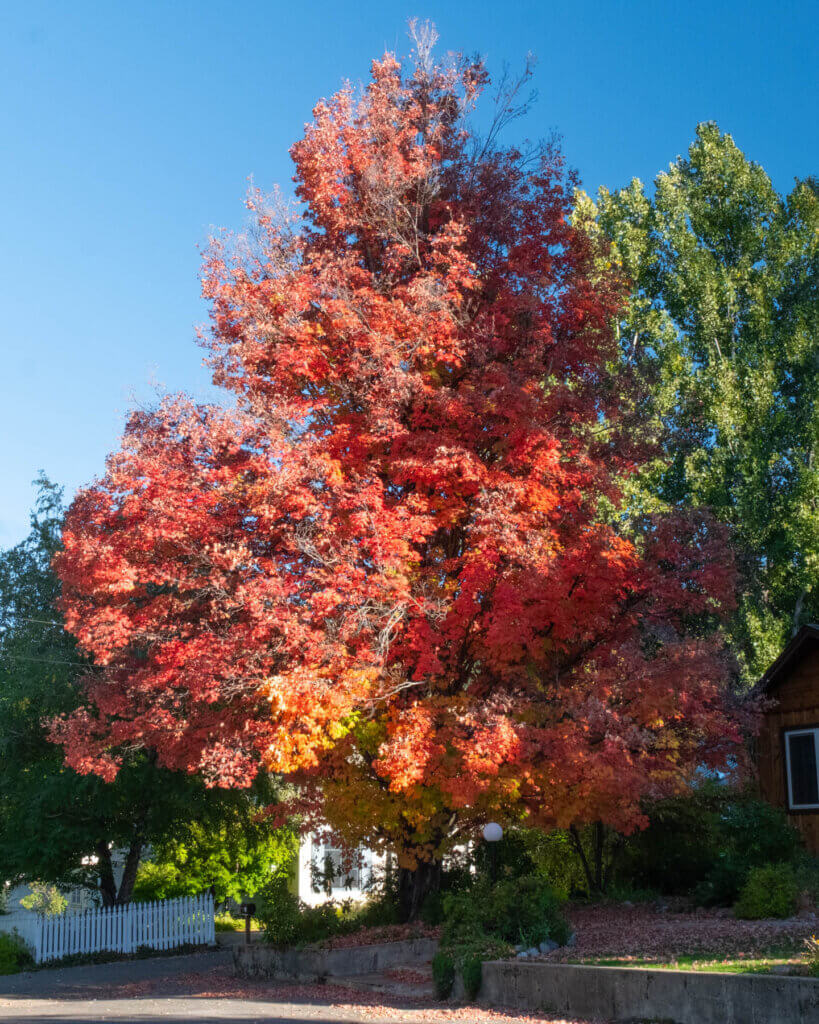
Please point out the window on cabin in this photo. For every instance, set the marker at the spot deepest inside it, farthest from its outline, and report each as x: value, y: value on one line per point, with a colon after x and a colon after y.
x: 802, y: 766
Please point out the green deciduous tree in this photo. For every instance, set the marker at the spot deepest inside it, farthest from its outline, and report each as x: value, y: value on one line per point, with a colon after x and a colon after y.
x: 723, y: 322
x: 235, y: 856
x: 58, y: 826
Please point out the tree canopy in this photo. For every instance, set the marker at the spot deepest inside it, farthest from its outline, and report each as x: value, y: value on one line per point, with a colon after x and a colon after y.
x: 403, y: 572
x: 233, y: 857
x: 723, y: 326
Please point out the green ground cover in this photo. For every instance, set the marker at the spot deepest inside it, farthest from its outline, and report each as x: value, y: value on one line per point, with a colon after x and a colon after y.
x: 775, y: 960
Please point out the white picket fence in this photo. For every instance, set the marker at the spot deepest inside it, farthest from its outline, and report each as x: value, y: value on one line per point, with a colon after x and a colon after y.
x: 163, y: 924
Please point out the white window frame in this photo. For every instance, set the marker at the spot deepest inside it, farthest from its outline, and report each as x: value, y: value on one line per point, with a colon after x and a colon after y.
x: 788, y: 733
x: 360, y: 873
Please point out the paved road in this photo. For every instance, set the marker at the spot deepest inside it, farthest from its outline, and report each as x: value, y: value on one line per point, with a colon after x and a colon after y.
x: 67, y: 981
x: 202, y: 988
x: 157, y: 989
x: 210, y: 1011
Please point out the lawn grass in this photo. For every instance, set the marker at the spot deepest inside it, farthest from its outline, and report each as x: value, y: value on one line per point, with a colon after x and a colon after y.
x: 228, y: 923
x: 763, y: 963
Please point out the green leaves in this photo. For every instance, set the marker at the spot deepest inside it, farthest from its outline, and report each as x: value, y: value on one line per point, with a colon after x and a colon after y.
x: 722, y: 327
x: 236, y: 853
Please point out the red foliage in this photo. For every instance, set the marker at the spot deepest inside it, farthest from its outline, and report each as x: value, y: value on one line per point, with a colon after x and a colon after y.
x: 400, y: 573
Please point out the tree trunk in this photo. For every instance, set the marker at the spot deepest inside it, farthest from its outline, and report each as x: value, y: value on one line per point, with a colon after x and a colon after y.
x: 581, y: 853
x: 797, y: 612
x: 107, y: 885
x: 129, y: 872
x: 614, y: 855
x: 599, y: 843
x: 415, y: 885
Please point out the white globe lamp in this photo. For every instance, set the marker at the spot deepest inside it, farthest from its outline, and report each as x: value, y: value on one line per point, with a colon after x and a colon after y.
x: 492, y: 832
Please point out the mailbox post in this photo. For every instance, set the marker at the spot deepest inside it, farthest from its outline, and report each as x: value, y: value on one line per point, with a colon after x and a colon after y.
x: 247, y: 910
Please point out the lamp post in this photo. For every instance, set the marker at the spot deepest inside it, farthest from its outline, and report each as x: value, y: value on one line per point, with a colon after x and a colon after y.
x: 492, y: 834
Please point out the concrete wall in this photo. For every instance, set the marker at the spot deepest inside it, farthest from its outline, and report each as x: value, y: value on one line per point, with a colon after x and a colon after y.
x: 261, y: 961
x: 623, y: 994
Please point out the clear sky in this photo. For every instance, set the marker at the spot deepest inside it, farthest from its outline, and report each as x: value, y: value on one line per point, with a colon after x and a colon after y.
x: 129, y: 131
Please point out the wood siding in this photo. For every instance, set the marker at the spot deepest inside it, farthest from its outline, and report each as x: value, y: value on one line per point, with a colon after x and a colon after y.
x: 797, y: 704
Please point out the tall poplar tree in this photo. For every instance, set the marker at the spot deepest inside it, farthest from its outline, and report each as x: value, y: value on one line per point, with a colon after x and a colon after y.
x: 723, y: 326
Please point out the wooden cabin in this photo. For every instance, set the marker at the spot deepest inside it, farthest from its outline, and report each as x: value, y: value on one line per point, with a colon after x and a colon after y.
x: 788, y: 744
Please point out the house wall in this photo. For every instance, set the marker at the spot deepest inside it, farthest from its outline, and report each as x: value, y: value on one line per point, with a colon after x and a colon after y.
x: 796, y: 699
x: 311, y: 854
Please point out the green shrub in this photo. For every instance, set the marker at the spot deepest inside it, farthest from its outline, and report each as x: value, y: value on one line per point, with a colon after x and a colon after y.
x: 758, y: 833
x: 554, y: 857
x: 484, y: 919
x: 807, y: 877
x: 471, y: 972
x: 678, y: 848
x: 769, y: 891
x: 510, y: 857
x: 529, y: 911
x: 279, y: 915
x: 705, y: 843
x: 456, y: 875
x: 512, y: 910
x: 443, y: 974
x: 44, y: 899
x: 621, y: 893
x: 524, y: 909
x: 376, y: 912
x: 432, y: 908
x: 14, y: 954
x: 722, y: 883
x: 286, y: 921
x: 811, y: 956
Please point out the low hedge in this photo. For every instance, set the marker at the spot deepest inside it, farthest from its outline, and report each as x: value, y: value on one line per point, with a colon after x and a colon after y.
x: 14, y: 954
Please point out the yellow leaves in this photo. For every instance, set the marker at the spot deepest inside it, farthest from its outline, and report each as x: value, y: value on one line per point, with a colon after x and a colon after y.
x: 337, y: 730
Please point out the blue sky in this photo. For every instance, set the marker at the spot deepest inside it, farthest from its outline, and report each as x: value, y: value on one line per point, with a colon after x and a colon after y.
x: 129, y: 131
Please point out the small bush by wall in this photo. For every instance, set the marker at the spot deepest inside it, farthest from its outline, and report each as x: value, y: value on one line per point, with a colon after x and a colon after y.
x: 14, y: 954
x: 769, y: 891
x: 288, y: 922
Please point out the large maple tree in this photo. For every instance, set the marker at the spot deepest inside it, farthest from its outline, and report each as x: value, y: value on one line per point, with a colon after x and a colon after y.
x: 401, y: 572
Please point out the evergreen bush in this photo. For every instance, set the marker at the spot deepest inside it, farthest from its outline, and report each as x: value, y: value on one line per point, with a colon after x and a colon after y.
x: 769, y: 891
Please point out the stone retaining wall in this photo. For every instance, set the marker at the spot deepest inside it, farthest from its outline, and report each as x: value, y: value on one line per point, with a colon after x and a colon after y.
x: 632, y: 994
x: 312, y: 964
